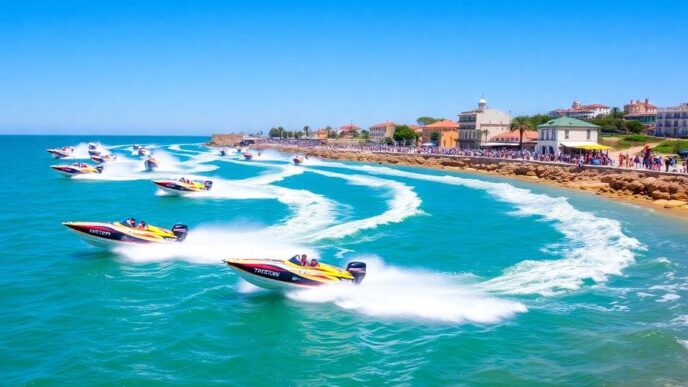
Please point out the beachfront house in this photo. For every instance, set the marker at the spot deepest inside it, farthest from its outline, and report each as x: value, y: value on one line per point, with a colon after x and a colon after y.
x: 382, y: 130
x: 643, y: 112
x: 585, y: 112
x: 348, y: 131
x: 478, y: 125
x: 447, y: 133
x: 672, y: 121
x: 510, y: 140
x: 565, y: 134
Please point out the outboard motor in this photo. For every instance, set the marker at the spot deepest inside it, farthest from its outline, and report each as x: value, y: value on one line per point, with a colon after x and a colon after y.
x: 180, y: 231
x: 358, y: 270
x: 208, y: 184
x: 99, y: 169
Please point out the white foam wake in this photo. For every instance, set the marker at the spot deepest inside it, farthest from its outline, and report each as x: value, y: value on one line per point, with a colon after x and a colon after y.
x: 599, y: 246
x: 392, y: 292
x: 403, y: 203
x: 209, y: 245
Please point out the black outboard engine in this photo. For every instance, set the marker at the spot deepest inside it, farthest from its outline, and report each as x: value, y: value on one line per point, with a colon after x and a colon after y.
x: 358, y: 270
x: 180, y: 231
x: 99, y: 169
x: 208, y: 184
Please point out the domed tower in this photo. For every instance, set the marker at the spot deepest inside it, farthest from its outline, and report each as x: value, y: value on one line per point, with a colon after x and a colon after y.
x: 482, y: 104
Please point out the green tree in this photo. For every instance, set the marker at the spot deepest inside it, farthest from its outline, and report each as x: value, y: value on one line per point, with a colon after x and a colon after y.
x: 521, y: 125
x: 365, y: 134
x: 331, y: 133
x: 538, y: 119
x: 485, y: 132
x: 404, y: 134
x: 289, y: 134
x: 388, y: 141
x: 298, y: 134
x: 274, y: 132
x: 425, y: 120
x: 616, y: 113
x: 435, y: 137
x: 635, y: 127
x: 282, y: 132
x: 307, y: 130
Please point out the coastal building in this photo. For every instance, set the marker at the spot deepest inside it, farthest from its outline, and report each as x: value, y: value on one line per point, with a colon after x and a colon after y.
x: 448, y: 133
x: 583, y: 112
x: 566, y: 133
x: 476, y: 126
x: 511, y: 140
x: 321, y: 134
x: 417, y: 129
x: 672, y: 121
x: 642, y: 111
x: 348, y: 131
x: 382, y: 130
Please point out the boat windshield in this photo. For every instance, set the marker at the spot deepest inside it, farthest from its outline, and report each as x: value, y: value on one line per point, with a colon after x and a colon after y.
x: 295, y: 260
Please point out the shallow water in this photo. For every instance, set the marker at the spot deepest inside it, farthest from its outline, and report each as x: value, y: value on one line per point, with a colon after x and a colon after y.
x: 471, y: 279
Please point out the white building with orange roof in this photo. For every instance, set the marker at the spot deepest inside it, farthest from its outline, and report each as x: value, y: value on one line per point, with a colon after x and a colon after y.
x: 379, y: 131
x: 348, y: 131
x: 581, y: 112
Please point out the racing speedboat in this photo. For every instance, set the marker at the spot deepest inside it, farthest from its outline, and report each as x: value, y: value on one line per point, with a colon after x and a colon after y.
x: 224, y: 151
x: 94, y: 149
x: 136, y: 147
x: 290, y: 273
x: 151, y: 164
x: 143, y: 151
x: 77, y: 169
x: 248, y: 155
x: 297, y: 160
x: 183, y: 186
x: 60, y: 153
x: 103, y: 158
x: 122, y: 233
x: 239, y: 149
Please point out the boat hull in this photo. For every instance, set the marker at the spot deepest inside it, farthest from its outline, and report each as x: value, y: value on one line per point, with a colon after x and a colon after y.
x: 107, y: 235
x: 277, y: 274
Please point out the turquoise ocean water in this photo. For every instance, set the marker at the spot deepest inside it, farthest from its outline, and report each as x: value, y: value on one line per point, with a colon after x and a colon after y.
x: 471, y: 280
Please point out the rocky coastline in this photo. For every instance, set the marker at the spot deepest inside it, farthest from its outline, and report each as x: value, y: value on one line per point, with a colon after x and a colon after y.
x: 654, y: 189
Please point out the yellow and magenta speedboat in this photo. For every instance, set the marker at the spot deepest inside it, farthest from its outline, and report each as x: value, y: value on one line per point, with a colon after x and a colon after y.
x: 126, y: 232
x: 76, y: 169
x: 183, y: 186
x: 292, y: 273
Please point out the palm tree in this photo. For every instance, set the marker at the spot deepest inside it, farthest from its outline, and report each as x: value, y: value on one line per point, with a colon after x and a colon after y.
x: 306, y: 130
x: 485, y: 132
x: 520, y: 124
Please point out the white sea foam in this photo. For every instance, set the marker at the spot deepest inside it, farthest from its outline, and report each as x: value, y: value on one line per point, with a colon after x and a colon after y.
x: 598, y: 249
x: 668, y: 297
x: 403, y: 203
x: 211, y: 244
x: 396, y: 293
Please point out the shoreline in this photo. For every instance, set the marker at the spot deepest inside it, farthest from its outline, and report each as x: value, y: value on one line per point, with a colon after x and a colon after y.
x: 663, y: 192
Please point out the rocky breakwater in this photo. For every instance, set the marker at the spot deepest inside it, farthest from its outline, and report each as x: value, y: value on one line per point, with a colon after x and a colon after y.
x: 220, y: 140
x: 656, y: 188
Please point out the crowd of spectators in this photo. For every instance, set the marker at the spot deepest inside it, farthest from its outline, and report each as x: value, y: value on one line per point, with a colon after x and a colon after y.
x: 643, y: 160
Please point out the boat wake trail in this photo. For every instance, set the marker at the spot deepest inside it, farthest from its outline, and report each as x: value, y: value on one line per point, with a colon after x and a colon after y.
x: 209, y: 245
x: 395, y: 293
x: 404, y: 203
x: 598, y: 248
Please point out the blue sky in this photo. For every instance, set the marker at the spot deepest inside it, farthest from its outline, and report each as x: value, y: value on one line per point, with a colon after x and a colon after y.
x: 201, y: 67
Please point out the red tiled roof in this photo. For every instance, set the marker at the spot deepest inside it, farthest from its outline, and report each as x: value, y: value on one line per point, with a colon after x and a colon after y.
x: 349, y: 128
x: 383, y: 125
x: 594, y: 106
x: 443, y: 124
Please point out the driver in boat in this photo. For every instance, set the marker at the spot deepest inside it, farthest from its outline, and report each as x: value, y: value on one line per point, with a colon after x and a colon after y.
x: 131, y: 222
x: 142, y: 225
x: 304, y: 260
x: 314, y: 262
